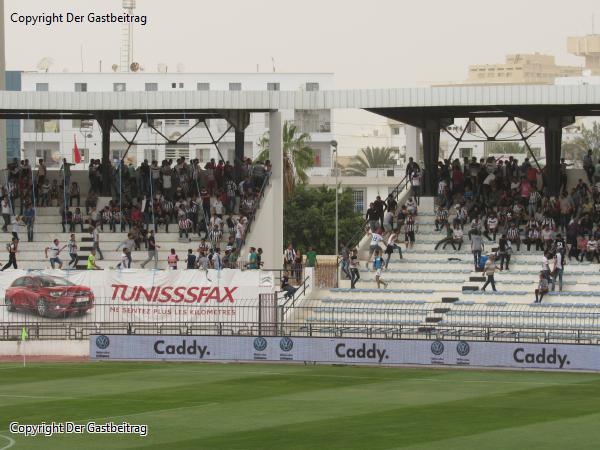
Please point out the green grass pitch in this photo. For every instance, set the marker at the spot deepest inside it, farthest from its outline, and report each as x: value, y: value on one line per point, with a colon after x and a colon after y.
x: 248, y: 406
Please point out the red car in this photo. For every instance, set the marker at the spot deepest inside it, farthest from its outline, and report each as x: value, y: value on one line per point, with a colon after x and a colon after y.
x: 48, y: 296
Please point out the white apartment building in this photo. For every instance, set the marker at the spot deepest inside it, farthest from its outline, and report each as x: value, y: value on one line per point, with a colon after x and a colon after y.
x: 53, y: 140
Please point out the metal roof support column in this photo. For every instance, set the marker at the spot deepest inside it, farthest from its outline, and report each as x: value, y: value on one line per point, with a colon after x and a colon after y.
x: 553, y: 140
x: 105, y: 123
x: 431, y: 155
x: 239, y: 153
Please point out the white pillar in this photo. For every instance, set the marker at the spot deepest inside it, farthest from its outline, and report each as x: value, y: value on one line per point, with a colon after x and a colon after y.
x: 3, y: 149
x: 276, y: 157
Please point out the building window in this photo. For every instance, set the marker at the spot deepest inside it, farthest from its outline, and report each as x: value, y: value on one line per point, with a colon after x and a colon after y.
x: 126, y: 125
x: 174, y: 85
x: 151, y: 154
x: 203, y: 86
x: 151, y: 87
x: 359, y: 201
x: 41, y: 126
x: 52, y: 158
x: 203, y: 154
x: 79, y: 124
x: 395, y: 131
x: 177, y: 151
x: 42, y: 87
x: 466, y: 152
x: 471, y: 127
x: 312, y: 87
x: 80, y: 87
x: 235, y: 86
x: 180, y: 85
x: 170, y: 121
x: 119, y: 87
x: 273, y: 86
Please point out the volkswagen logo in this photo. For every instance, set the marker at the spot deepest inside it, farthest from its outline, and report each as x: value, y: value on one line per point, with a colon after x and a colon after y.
x: 437, y: 348
x: 102, y: 342
x: 286, y: 344
x: 463, y: 348
x: 260, y: 344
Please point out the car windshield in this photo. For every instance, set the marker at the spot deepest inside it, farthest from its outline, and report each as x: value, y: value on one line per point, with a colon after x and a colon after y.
x: 54, y: 282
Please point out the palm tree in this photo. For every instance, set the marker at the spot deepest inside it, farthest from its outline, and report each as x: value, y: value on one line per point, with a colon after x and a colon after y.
x: 589, y: 140
x: 371, y: 158
x: 297, y: 156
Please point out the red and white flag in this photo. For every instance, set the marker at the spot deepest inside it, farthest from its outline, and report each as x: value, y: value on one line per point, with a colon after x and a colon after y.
x: 76, y: 154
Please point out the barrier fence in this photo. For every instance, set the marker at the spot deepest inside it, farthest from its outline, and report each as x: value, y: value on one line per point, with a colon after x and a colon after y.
x: 269, y: 316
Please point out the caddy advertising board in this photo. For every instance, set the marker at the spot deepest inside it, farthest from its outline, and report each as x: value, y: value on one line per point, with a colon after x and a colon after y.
x: 347, y: 351
x: 132, y: 295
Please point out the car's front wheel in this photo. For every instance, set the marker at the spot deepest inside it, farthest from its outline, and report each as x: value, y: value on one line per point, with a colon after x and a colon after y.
x: 9, y: 304
x: 42, y: 307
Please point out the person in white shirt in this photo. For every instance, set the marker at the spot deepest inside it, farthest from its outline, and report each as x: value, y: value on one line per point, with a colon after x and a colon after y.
x: 124, y: 262
x: 5, y: 214
x: 376, y: 238
x: 557, y: 271
x: 52, y: 253
x: 392, y: 244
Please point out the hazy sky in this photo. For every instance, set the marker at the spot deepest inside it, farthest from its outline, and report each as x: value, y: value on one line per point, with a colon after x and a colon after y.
x: 377, y: 43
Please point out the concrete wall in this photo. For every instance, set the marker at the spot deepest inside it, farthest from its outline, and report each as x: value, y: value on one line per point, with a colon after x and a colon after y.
x: 45, y: 348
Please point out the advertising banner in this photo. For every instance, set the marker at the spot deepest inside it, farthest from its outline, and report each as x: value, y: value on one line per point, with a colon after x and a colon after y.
x: 346, y: 351
x: 132, y: 295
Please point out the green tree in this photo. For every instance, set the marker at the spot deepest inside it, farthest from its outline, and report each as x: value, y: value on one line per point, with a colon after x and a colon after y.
x: 309, y: 219
x: 589, y: 140
x: 297, y: 157
x: 371, y: 158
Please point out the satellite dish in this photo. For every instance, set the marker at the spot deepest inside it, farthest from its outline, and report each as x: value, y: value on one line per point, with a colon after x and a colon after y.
x: 44, y: 64
x: 162, y: 68
x: 134, y: 67
x: 115, y: 67
x: 180, y: 67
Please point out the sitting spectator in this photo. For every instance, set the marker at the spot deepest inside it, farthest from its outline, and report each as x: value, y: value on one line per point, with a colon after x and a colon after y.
x: 74, y: 193
x: 541, y: 289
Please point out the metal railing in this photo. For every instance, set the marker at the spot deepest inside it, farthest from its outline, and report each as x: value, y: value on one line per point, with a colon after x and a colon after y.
x: 578, y: 323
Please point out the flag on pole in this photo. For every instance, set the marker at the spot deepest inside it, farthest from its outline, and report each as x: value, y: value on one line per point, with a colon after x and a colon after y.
x: 24, y: 335
x: 76, y: 154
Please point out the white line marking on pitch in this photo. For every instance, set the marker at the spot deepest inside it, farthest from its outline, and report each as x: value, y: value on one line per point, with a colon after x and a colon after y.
x: 10, y: 440
x: 37, y: 396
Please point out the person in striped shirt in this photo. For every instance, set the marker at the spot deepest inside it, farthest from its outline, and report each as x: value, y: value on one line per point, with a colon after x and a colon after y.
x: 185, y: 225
x: 514, y: 236
x: 441, y: 218
x: 491, y: 226
x: 72, y: 248
x: 534, y: 199
x: 106, y: 218
x: 410, y: 227
x: 534, y: 237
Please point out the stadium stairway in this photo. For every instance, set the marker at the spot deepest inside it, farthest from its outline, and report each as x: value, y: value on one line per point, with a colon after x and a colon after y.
x: 431, y: 291
x: 48, y: 227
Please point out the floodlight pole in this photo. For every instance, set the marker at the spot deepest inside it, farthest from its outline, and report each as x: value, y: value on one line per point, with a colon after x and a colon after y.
x: 335, y: 168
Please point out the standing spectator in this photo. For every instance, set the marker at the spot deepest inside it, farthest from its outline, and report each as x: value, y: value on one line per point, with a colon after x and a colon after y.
x: 557, y: 271
x: 5, y: 214
x: 289, y: 256
x: 96, y: 241
x: 504, y: 250
x: 125, y: 262
x: 172, y: 260
x: 376, y: 238
x: 372, y: 217
x: 252, y: 259
x: 259, y: 261
x: 54, y: 250
x: 311, y: 258
x: 72, y: 249
x: 415, y: 181
x: 410, y: 227
x: 476, y: 247
x: 191, y: 260
x: 66, y: 170
x: 489, y: 270
x: 379, y: 206
x: 12, y: 254
x: 345, y: 259
x: 29, y: 218
x: 354, y: 274
x: 541, y: 289
x: 152, y: 253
